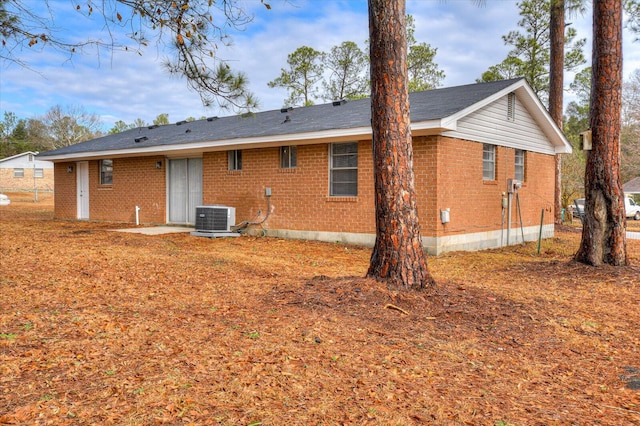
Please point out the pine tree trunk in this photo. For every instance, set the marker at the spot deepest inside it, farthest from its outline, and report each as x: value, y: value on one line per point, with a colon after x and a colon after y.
x: 556, y: 82
x: 603, y: 232
x: 398, y: 256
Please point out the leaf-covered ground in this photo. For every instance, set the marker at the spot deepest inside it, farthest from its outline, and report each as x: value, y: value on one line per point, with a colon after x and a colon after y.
x: 101, y: 327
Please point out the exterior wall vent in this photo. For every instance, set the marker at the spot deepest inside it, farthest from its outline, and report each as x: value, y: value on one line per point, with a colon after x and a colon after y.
x: 215, y: 218
x: 511, y: 106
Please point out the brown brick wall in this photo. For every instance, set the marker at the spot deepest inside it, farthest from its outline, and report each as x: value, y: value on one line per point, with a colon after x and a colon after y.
x: 426, y: 179
x: 300, y: 196
x: 65, y: 191
x: 300, y: 199
x: 9, y: 183
x: 475, y: 204
x: 136, y: 182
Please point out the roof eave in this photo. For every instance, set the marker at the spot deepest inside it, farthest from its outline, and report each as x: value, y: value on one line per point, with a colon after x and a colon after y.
x: 434, y: 127
x: 429, y: 127
x: 340, y: 135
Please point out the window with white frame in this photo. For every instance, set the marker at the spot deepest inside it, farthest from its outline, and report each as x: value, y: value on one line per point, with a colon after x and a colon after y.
x: 235, y: 159
x: 288, y: 157
x: 106, y: 172
x: 38, y: 173
x: 519, y: 165
x: 343, y: 169
x: 18, y: 173
x: 488, y: 162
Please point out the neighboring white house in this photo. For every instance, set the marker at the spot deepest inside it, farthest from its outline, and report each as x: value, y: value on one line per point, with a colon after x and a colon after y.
x: 632, y: 187
x: 24, y: 172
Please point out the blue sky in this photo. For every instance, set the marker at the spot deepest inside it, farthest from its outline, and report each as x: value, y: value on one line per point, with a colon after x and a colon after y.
x: 125, y: 86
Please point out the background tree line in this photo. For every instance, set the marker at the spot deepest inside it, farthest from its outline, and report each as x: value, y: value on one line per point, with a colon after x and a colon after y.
x: 343, y: 72
x: 57, y: 128
x: 576, y: 120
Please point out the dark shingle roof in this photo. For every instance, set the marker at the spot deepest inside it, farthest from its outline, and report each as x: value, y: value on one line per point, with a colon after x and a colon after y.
x: 428, y: 105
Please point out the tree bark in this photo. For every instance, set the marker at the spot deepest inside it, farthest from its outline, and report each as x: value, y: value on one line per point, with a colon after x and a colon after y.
x: 556, y: 83
x: 398, y: 256
x: 604, y: 228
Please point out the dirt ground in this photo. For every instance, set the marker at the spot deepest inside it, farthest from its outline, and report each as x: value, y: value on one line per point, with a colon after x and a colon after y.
x: 100, y: 327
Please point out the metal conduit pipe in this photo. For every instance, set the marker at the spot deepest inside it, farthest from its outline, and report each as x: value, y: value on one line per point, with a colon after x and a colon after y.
x: 243, y: 225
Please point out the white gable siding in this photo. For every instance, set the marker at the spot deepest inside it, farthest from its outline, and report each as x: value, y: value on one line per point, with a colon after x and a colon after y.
x: 491, y: 125
x: 21, y: 161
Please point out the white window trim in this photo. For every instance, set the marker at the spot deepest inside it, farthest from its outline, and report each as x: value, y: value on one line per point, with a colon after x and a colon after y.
x: 331, y: 169
x: 18, y: 172
x: 486, y: 161
x: 521, y: 165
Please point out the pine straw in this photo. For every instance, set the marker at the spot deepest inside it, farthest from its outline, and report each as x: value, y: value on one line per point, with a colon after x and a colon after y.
x: 101, y: 327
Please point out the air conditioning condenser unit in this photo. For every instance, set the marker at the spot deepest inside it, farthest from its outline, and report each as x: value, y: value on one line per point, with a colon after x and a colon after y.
x: 215, y: 221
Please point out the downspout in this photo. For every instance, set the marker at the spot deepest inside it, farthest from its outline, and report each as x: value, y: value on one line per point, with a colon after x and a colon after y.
x: 504, y: 207
x: 510, y: 195
x: 137, y: 215
x: 520, y: 216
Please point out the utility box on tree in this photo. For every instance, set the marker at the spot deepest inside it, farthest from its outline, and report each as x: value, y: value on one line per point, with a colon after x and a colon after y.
x: 585, y: 140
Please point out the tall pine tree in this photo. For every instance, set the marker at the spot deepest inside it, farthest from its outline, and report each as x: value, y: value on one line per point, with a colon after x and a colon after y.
x: 398, y: 256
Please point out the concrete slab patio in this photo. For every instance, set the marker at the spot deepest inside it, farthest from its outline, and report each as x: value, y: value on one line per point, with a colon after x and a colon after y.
x: 156, y: 230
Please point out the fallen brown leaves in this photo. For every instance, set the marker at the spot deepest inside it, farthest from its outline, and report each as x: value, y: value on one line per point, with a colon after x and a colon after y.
x: 101, y: 327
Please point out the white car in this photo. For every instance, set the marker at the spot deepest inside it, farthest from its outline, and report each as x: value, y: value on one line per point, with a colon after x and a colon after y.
x: 631, y: 208
x: 4, y: 200
x: 578, y: 210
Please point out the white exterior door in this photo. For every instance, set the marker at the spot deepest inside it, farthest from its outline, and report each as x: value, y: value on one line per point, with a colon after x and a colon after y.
x: 185, y: 190
x: 82, y: 181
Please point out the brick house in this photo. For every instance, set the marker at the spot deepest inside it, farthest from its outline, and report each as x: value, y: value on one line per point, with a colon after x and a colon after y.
x: 316, y: 162
x: 25, y: 172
